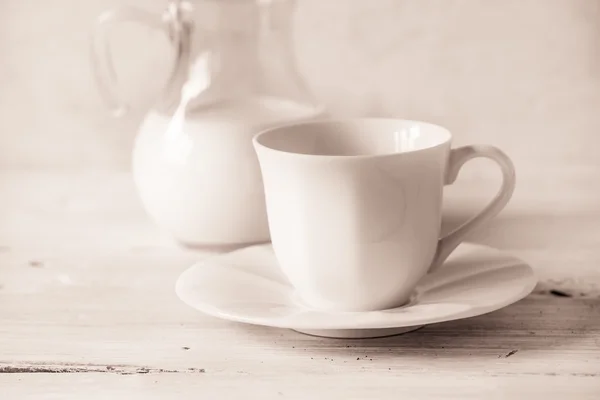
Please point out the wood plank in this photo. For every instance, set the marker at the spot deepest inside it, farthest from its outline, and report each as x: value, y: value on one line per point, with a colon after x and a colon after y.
x: 338, y: 384
x: 121, y: 310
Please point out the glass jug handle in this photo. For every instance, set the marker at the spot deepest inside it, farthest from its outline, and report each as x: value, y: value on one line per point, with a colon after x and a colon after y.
x: 104, y: 71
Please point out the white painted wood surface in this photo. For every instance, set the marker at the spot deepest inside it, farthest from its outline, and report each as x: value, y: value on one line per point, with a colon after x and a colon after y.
x: 88, y: 310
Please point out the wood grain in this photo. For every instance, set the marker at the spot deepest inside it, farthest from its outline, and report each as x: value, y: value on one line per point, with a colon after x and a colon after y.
x: 87, y: 309
x: 339, y: 385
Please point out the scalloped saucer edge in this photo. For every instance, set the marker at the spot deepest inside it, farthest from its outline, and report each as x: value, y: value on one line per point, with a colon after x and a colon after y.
x: 246, y: 286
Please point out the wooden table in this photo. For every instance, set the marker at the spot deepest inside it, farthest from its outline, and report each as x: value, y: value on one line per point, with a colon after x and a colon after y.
x: 88, y: 310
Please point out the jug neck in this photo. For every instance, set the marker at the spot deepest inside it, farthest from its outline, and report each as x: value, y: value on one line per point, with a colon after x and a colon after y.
x: 246, y: 49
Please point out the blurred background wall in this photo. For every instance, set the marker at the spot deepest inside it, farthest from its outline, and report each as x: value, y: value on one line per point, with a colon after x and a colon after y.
x: 520, y: 74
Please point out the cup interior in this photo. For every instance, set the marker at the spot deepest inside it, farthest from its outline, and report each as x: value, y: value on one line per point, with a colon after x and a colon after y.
x: 353, y: 137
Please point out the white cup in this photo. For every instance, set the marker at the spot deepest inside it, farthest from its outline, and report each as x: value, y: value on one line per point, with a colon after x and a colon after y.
x: 354, y: 206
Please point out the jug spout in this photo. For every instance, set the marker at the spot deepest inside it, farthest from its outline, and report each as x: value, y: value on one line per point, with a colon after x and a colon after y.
x: 224, y: 51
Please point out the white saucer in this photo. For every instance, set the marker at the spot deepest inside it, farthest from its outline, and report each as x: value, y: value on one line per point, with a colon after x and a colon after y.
x: 247, y: 286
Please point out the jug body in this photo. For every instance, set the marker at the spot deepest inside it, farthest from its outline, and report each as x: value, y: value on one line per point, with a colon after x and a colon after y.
x: 203, y: 183
x: 234, y: 75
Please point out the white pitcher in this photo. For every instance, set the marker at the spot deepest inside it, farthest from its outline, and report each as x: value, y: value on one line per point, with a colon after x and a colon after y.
x: 234, y: 75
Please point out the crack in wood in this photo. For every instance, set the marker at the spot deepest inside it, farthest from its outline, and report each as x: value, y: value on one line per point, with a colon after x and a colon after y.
x: 511, y: 353
x: 131, y: 370
x: 568, y: 288
x: 527, y: 373
x: 79, y: 369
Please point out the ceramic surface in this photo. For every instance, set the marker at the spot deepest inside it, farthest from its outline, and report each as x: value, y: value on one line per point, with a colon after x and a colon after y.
x: 354, y: 206
x: 247, y: 286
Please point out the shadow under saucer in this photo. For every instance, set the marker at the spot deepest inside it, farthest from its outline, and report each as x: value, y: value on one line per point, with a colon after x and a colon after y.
x: 358, y: 333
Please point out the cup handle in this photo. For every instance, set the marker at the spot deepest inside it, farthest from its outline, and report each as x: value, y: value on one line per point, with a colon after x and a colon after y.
x: 458, y: 157
x: 102, y: 63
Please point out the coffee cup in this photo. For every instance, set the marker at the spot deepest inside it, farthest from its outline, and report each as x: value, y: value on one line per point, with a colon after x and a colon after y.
x: 355, y: 206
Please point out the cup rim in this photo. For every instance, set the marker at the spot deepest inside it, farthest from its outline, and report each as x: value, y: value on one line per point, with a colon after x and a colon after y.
x: 256, y: 139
